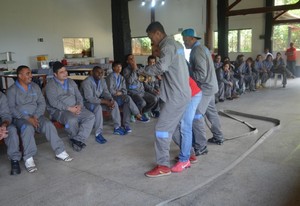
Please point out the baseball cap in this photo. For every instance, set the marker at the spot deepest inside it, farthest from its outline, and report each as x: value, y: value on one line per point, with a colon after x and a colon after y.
x: 190, y: 33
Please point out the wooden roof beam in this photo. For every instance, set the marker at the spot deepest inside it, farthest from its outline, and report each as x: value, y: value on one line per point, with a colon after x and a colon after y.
x: 263, y: 9
x: 233, y: 4
x: 287, y: 21
x: 278, y: 15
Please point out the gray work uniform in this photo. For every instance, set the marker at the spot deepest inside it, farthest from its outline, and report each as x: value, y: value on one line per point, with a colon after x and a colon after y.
x: 24, y: 104
x: 59, y: 98
x: 145, y: 101
x: 175, y: 94
x: 12, y: 141
x: 117, y: 83
x: 203, y: 72
x: 92, y: 94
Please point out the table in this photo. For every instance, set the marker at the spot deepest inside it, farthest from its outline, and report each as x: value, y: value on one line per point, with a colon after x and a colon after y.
x: 78, y: 77
x: 82, y: 71
x: 14, y: 76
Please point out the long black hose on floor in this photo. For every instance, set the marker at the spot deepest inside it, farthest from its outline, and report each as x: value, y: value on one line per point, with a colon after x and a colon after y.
x: 253, y: 130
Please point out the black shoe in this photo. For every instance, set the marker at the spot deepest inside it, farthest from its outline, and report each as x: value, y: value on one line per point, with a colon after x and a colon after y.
x: 202, y: 151
x: 215, y: 141
x: 77, y: 145
x: 15, y: 167
x: 221, y: 100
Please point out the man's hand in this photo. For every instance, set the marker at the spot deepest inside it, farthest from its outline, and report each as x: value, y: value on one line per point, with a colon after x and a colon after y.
x: 34, y: 121
x: 119, y: 93
x: 75, y: 109
x: 3, y: 132
x: 109, y: 103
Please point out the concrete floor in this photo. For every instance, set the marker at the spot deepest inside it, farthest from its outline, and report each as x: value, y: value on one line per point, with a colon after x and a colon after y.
x: 113, y: 173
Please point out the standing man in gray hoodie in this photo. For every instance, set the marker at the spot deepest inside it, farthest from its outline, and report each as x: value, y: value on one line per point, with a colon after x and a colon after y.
x: 203, y: 72
x: 175, y: 94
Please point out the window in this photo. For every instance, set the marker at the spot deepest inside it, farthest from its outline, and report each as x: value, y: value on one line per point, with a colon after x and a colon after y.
x: 238, y: 40
x: 141, y: 46
x: 78, y: 47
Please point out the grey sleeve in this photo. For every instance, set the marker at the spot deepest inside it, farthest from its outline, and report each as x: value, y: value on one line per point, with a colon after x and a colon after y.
x: 87, y: 92
x: 129, y: 75
x: 4, y: 109
x: 106, y: 94
x: 79, y: 99
x: 52, y: 97
x: 110, y: 85
x: 11, y: 100
x: 41, y: 103
x: 162, y: 65
x: 200, y: 65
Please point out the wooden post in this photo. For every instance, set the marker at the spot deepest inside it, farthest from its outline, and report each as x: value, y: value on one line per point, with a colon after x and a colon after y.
x: 222, y: 27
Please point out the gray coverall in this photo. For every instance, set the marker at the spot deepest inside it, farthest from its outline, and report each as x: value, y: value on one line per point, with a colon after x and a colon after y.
x: 24, y: 104
x: 175, y: 94
x: 203, y: 72
x: 92, y: 95
x: 117, y: 83
x: 145, y: 101
x: 12, y: 141
x: 59, y: 98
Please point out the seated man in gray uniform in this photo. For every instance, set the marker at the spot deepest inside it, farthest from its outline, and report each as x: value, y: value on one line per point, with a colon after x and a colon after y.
x: 27, y: 105
x: 144, y: 100
x: 9, y: 132
x: 65, y: 105
x: 97, y: 98
x: 117, y: 87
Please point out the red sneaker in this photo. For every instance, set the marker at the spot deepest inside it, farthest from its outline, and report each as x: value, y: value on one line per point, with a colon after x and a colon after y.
x: 180, y: 166
x: 193, y: 159
x: 158, y: 171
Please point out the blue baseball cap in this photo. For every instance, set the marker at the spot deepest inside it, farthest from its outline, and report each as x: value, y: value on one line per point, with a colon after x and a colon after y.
x: 190, y: 33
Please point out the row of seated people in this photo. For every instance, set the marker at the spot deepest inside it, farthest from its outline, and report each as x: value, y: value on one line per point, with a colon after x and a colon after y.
x: 79, y: 110
x: 234, y: 78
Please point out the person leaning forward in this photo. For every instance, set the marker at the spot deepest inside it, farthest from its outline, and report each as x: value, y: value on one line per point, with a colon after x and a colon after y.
x: 65, y: 105
x: 175, y: 94
x: 27, y: 105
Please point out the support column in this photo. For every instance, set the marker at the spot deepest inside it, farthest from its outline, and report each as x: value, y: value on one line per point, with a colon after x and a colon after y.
x: 120, y: 29
x: 222, y: 27
x: 269, y: 26
x: 208, y: 34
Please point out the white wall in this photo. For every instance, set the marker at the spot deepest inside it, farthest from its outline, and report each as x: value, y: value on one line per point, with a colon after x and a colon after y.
x: 22, y: 22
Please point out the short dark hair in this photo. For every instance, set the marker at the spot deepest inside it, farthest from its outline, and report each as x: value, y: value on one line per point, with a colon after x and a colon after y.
x: 115, y: 63
x: 155, y: 26
x: 151, y: 57
x: 97, y: 67
x: 20, y: 68
x: 57, y: 66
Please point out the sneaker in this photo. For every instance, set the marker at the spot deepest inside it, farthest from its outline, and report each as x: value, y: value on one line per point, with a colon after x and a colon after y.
x: 64, y: 156
x: 30, y: 166
x: 128, y: 129
x: 146, y: 114
x: 215, y: 141
x: 193, y: 159
x: 202, y: 151
x: 77, y: 145
x: 132, y: 118
x: 155, y: 114
x: 180, y: 166
x: 15, y: 167
x: 119, y: 131
x: 143, y: 119
x: 158, y: 171
x: 100, y: 139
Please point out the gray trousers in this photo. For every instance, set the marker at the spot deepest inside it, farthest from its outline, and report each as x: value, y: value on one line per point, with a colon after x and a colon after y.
x: 97, y: 110
x: 144, y: 102
x: 79, y: 127
x: 128, y: 106
x: 27, y: 135
x: 13, y: 144
x: 170, y: 116
x: 207, y: 106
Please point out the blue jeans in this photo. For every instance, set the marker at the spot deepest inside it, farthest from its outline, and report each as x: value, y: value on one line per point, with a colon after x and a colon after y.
x: 184, y: 138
